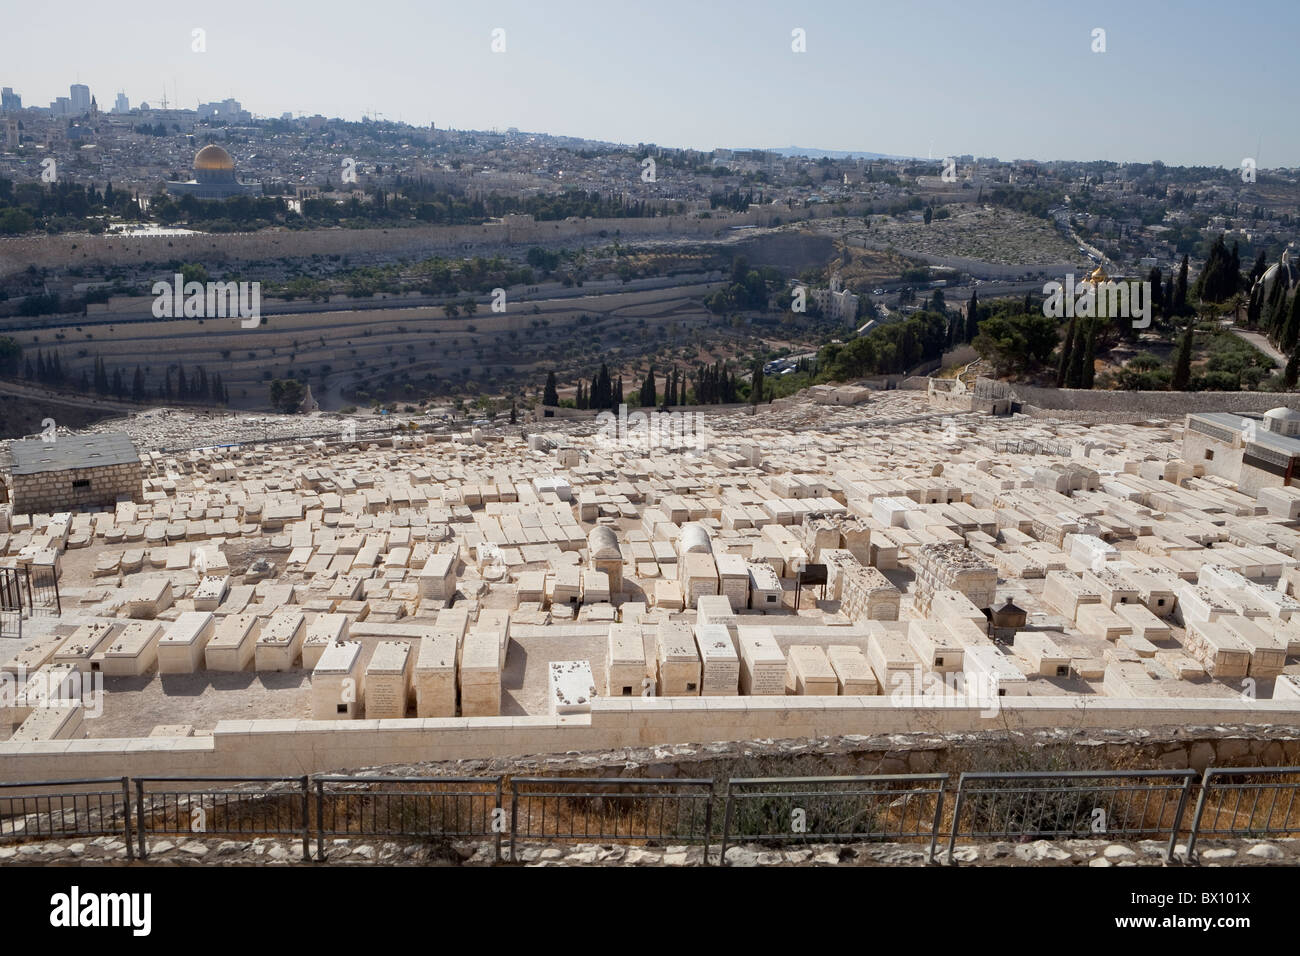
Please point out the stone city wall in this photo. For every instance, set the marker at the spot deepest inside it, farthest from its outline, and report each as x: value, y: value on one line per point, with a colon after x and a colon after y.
x: 56, y: 252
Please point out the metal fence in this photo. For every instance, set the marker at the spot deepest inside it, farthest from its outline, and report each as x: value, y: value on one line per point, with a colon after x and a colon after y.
x: 49, y: 811
x: 24, y: 592
x: 429, y: 808
x: 1261, y: 801
x: 772, y: 811
x: 611, y: 809
x: 253, y: 807
x: 834, y: 809
x: 1053, y: 805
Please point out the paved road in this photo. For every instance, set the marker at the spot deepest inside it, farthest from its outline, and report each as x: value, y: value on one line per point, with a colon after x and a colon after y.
x: 1261, y: 342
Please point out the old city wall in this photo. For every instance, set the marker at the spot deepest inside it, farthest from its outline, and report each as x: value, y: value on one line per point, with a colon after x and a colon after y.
x: 281, y: 747
x: 81, y: 250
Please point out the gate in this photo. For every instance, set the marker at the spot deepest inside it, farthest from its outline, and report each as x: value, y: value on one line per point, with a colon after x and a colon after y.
x: 26, y: 592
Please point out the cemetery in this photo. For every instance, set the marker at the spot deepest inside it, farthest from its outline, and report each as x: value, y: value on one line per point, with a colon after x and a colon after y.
x: 810, y: 569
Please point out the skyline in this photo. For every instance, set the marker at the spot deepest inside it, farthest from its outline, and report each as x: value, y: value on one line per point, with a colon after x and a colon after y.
x: 928, y: 80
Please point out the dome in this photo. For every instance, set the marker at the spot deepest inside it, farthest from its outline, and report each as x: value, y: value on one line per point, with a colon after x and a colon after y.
x: 213, y: 157
x: 1282, y: 414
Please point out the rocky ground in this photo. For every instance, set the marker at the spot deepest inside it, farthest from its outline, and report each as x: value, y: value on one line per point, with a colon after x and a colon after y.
x: 110, y: 851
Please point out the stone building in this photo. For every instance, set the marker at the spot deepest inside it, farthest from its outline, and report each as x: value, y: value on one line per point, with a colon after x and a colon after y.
x: 73, y: 471
x: 1256, y: 453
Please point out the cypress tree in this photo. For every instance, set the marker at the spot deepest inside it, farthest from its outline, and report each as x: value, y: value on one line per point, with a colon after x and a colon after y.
x: 1180, y: 289
x: 1089, y: 355
x: 1157, y: 291
x: 1183, y: 363
x: 756, y: 384
x: 1074, y: 377
x: 1064, y: 367
x: 1261, y: 263
x: 972, y: 316
x: 1292, y: 369
x: 1291, y: 331
x: 550, y: 396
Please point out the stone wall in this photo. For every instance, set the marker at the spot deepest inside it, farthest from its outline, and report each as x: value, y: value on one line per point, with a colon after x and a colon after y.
x: 1130, y: 406
x: 62, y: 251
x: 51, y: 491
x: 280, y: 747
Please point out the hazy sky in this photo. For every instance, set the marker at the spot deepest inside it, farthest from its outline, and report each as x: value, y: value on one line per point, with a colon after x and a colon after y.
x: 1188, y: 82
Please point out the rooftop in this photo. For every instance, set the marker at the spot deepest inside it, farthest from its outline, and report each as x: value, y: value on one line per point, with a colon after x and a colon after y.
x: 66, y: 452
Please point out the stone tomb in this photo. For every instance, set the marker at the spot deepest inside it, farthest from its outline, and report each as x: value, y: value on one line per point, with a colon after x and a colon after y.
x: 852, y: 671
x: 934, y: 646
x: 480, y: 675
x: 678, y: 661
x: 809, y: 672
x: 720, y: 665
x: 132, y: 652
x: 388, y: 680
x: 82, y: 644
x: 181, y: 648
x: 762, y: 665
x: 893, y: 662
x: 280, y: 643
x: 435, y: 675
x: 150, y: 599
x: 232, y: 645
x: 1042, y: 654
x: 626, y: 671
x: 337, y: 682
x: 210, y: 593
x: 437, y: 579
x: 324, y: 630
x: 571, y: 687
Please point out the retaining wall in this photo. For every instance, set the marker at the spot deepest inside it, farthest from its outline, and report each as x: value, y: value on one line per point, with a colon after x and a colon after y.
x: 292, y: 747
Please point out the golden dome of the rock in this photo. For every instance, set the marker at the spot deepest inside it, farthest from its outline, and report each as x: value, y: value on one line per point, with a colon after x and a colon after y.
x: 213, y: 157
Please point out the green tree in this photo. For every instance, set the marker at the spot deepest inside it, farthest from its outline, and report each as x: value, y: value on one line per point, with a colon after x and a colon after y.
x: 756, y: 384
x: 1063, y: 369
x: 1015, y: 342
x: 550, y: 394
x: 1183, y: 362
x: 287, y: 395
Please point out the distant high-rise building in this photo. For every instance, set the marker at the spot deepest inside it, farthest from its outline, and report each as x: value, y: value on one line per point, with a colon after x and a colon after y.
x: 229, y: 110
x: 79, y: 94
x: 61, y: 106
x: 121, y: 104
x: 9, y: 100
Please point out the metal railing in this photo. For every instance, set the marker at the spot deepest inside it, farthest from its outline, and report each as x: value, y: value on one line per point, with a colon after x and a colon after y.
x: 834, y: 809
x: 907, y: 808
x: 54, y: 812
x: 611, y: 809
x: 428, y: 808
x: 1070, y: 804
x: 1254, y: 802
x: 256, y: 807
